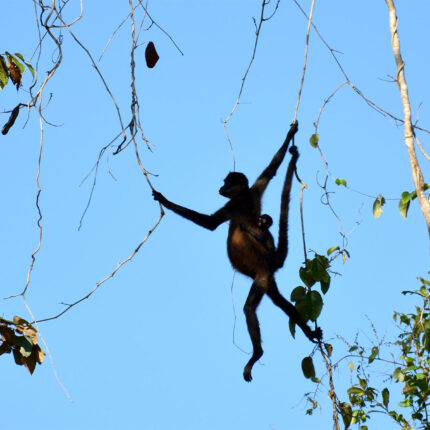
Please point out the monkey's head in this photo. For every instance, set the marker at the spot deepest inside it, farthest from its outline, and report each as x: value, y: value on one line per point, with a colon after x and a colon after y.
x: 264, y: 221
x: 234, y: 184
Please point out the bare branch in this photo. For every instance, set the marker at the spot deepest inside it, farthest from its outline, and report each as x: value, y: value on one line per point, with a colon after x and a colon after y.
x: 304, y: 61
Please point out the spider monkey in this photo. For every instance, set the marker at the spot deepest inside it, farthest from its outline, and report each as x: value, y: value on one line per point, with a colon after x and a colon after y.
x: 246, y: 254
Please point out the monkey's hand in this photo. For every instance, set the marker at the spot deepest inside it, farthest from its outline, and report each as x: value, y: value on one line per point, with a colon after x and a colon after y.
x: 316, y: 335
x: 159, y: 197
x: 294, y: 151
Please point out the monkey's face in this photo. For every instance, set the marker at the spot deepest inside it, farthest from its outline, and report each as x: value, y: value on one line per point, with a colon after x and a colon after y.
x: 234, y: 184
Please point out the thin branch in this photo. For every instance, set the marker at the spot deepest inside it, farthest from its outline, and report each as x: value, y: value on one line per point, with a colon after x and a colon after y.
x: 100, y: 283
x: 379, y: 109
x: 153, y: 22
x: 257, y: 35
x: 305, y: 60
x: 98, y: 72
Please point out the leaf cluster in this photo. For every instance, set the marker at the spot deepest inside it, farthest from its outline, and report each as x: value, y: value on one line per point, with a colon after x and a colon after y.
x: 20, y: 338
x: 12, y: 66
x: 309, y: 302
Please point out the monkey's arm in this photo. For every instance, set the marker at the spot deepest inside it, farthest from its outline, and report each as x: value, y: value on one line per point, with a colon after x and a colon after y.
x: 210, y: 222
x: 270, y: 171
x: 282, y: 251
x: 259, y: 237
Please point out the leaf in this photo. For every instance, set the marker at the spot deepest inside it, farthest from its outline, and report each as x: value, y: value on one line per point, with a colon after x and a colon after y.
x: 406, y: 197
x: 298, y: 294
x: 30, y: 67
x: 377, y: 206
x: 292, y: 326
x: 14, y: 71
x: 332, y: 249
x: 24, y: 327
x: 329, y: 349
x: 306, y: 274
x: 375, y: 352
x: 351, y: 366
x: 314, y: 139
x: 39, y: 355
x: 308, y: 368
x: 25, y: 345
x: 4, y: 74
x: 325, y: 286
x: 403, y: 208
x: 346, y: 412
x: 357, y: 391
x: 314, y: 304
x: 319, y: 268
x: 18, y: 63
x: 340, y: 182
x: 398, y: 374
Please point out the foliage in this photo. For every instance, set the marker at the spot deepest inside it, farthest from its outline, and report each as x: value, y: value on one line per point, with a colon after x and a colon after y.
x: 411, y: 371
x: 307, y: 301
x: 13, y: 70
x: 20, y: 338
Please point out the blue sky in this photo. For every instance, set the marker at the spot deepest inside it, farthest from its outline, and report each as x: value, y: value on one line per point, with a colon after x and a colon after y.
x: 152, y: 348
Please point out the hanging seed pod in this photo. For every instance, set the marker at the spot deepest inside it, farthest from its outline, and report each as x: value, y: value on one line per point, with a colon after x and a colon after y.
x: 151, y: 55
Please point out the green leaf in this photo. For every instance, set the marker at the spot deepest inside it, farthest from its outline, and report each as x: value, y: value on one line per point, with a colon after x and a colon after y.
x: 375, y: 352
x: 319, y: 268
x: 332, y: 249
x: 30, y: 67
x: 398, y: 374
x: 404, y: 207
x: 314, y: 139
x: 298, y: 294
x: 385, y: 397
x: 25, y: 345
x: 346, y: 412
x: 308, y: 368
x: 314, y: 304
x: 306, y: 275
x: 325, y: 286
x: 406, y: 196
x: 292, y: 326
x: 4, y: 75
x: 377, y: 206
x: 340, y: 182
x: 18, y: 63
x: 357, y: 391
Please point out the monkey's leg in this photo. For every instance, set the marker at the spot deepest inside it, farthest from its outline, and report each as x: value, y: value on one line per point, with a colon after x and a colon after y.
x: 250, y: 309
x: 279, y: 300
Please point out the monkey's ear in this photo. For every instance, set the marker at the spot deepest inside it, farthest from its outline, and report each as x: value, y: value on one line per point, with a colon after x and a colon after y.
x: 151, y: 55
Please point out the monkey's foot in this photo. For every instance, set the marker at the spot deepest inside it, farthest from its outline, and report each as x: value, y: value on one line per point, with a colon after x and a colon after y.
x: 247, y: 373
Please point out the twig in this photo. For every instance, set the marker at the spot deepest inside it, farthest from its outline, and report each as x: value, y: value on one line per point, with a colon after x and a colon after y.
x: 153, y: 22
x: 354, y: 88
x: 100, y: 283
x: 257, y: 35
x: 305, y: 60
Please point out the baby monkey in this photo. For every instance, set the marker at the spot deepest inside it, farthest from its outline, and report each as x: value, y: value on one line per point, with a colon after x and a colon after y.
x: 265, y: 239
